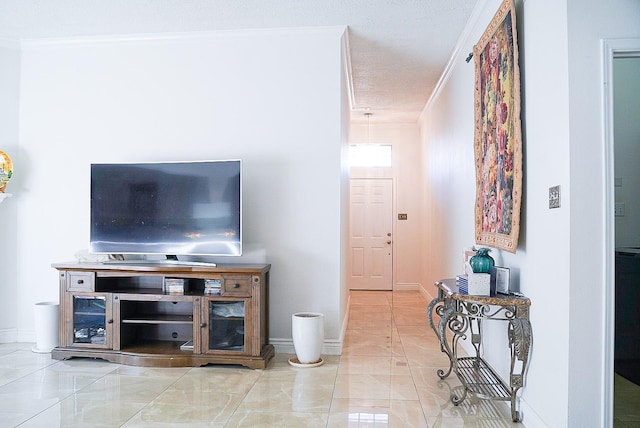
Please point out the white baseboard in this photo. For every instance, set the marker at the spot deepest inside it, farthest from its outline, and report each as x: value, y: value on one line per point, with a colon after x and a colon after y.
x: 426, y: 293
x: 285, y: 346
x: 12, y: 335
x: 406, y: 287
x: 8, y: 335
x: 27, y: 336
x: 530, y: 417
x: 345, y: 322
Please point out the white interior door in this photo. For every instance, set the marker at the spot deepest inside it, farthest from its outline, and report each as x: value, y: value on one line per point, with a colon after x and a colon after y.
x: 370, y: 232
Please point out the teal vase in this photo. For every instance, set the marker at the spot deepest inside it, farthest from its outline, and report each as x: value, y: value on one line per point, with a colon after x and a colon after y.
x: 482, y: 262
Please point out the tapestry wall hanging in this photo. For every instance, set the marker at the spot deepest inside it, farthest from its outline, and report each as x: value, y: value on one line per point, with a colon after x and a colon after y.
x: 498, y: 137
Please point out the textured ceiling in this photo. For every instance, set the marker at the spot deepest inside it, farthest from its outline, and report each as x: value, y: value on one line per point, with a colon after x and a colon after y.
x: 398, y: 48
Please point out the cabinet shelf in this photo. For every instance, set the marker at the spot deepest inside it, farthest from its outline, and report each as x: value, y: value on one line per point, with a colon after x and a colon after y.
x: 150, y: 291
x: 226, y: 318
x: 228, y: 348
x: 161, y: 347
x: 159, y: 319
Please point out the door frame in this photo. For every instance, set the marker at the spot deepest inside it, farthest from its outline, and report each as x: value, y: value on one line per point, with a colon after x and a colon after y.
x: 611, y: 49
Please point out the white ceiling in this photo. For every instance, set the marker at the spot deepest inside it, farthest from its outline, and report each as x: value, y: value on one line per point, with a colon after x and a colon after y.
x: 398, y: 48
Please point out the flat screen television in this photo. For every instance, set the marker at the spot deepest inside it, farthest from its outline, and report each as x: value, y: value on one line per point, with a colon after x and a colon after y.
x: 168, y: 208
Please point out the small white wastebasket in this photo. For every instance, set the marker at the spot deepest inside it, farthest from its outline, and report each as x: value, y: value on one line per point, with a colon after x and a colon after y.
x: 47, y: 320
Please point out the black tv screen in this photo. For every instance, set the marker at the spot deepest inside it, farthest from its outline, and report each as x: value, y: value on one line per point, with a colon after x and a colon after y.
x: 170, y: 208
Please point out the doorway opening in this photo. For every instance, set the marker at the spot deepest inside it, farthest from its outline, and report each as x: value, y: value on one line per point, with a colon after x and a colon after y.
x: 618, y: 388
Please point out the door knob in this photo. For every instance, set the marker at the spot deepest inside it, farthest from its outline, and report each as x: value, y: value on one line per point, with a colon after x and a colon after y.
x: 389, y: 234
x: 388, y: 242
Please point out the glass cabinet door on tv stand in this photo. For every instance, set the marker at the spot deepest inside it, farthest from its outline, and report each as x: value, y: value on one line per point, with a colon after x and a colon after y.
x: 91, y: 320
x: 227, y: 325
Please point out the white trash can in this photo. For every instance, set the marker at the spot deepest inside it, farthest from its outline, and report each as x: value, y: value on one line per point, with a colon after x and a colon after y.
x: 307, y: 329
x: 47, y: 321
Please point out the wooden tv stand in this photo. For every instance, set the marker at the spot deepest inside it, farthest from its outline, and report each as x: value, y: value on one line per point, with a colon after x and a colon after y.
x: 123, y: 313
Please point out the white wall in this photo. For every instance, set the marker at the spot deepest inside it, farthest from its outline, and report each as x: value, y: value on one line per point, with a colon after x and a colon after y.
x: 343, y: 297
x: 9, y: 84
x: 447, y: 135
x: 406, y: 174
x: 559, y: 261
x: 543, y: 259
x: 272, y: 98
x: 589, y: 22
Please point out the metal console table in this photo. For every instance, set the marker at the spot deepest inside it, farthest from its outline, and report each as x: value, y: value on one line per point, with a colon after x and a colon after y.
x: 461, y: 315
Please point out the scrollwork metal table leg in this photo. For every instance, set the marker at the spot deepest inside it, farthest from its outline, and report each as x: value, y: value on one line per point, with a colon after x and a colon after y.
x: 444, y: 346
x: 520, y: 344
x: 516, y: 416
x: 430, y: 308
x: 456, y: 398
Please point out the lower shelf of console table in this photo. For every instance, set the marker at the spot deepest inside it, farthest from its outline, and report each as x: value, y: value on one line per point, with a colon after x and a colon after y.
x: 461, y: 316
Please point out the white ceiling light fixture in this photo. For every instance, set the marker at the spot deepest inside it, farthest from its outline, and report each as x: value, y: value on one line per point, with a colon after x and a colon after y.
x: 368, y: 116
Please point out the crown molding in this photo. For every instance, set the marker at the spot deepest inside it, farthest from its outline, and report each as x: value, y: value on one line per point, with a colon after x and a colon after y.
x: 458, y: 54
x: 92, y: 40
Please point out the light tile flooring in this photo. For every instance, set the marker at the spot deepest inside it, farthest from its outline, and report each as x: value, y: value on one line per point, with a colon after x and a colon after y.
x: 385, y: 377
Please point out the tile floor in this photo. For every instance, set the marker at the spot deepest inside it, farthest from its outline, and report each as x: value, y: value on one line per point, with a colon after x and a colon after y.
x: 385, y: 377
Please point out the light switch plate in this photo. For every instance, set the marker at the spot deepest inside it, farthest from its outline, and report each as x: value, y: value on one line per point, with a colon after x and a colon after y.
x: 554, y: 197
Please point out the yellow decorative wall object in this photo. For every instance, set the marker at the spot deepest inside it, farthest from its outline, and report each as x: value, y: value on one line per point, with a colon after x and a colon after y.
x: 6, y: 170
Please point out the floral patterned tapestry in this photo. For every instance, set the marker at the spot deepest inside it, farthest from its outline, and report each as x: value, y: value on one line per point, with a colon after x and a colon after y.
x: 498, y: 138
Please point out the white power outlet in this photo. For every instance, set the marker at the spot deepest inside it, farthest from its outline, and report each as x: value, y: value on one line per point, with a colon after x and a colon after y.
x: 619, y: 209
